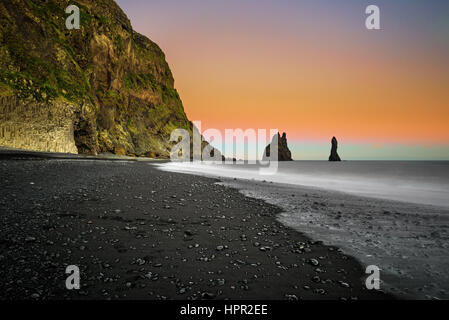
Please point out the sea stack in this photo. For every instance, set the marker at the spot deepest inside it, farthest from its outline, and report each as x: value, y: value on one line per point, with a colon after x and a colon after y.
x: 284, y: 154
x: 334, y: 155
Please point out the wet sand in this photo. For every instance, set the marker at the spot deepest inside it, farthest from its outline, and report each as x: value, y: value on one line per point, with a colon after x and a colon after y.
x: 408, y: 242
x: 140, y: 233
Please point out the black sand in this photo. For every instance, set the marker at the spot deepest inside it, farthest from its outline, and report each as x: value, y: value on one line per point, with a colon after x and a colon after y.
x: 139, y: 233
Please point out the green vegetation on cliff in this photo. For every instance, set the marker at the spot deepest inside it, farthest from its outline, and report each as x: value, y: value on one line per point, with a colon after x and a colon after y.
x: 117, y: 80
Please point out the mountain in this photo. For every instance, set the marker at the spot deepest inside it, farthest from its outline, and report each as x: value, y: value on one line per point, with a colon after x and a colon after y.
x: 102, y: 88
x: 284, y: 153
x: 334, y: 155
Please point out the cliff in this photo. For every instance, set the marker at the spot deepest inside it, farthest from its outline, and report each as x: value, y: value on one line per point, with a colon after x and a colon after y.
x: 284, y: 153
x: 334, y: 154
x: 102, y: 88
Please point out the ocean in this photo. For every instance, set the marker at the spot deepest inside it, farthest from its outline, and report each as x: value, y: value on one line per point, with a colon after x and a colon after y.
x: 392, y: 214
x: 421, y: 182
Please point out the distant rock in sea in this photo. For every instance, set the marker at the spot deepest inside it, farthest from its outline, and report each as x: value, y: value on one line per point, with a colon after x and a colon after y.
x: 284, y: 154
x: 334, y: 155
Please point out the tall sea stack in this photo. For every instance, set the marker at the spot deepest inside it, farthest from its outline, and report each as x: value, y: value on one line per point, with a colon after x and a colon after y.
x: 334, y: 155
x: 284, y: 154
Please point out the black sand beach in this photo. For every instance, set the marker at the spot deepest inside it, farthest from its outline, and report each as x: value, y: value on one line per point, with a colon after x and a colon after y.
x: 139, y: 233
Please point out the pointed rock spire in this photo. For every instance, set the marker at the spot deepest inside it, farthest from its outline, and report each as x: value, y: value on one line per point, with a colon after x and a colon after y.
x: 334, y: 155
x: 284, y: 154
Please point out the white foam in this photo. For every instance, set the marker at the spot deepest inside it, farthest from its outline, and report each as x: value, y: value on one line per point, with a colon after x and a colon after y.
x: 413, y: 182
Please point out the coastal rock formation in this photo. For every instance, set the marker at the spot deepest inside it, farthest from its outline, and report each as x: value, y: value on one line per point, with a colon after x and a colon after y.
x: 284, y: 153
x: 334, y: 155
x: 51, y: 125
x: 102, y: 88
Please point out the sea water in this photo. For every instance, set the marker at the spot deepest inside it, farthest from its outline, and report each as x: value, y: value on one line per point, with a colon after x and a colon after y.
x: 396, y: 214
x: 421, y: 182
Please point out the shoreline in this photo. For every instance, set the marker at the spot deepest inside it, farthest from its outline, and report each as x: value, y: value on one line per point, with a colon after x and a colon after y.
x: 383, y: 180
x: 21, y: 154
x: 140, y: 233
x: 406, y: 240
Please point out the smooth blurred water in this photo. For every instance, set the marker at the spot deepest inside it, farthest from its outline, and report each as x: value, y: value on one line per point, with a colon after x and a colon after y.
x: 420, y: 182
x: 408, y: 239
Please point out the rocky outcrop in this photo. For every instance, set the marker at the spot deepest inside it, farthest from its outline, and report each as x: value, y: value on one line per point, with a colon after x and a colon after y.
x: 51, y: 125
x: 102, y: 88
x: 284, y: 153
x: 334, y: 155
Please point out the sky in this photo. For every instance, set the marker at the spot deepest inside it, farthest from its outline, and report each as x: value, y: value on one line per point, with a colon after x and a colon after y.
x: 310, y: 68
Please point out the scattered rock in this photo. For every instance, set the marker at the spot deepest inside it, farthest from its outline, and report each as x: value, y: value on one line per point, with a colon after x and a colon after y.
x: 314, y: 262
x: 208, y: 295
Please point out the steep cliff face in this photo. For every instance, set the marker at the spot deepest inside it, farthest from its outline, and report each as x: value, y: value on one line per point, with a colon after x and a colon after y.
x: 101, y: 88
x: 284, y: 153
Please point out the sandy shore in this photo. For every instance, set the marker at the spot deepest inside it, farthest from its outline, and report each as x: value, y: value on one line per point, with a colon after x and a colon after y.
x: 139, y: 233
x: 408, y: 242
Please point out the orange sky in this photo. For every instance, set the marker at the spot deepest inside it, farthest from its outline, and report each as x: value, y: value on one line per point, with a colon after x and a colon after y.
x: 310, y: 68
x: 355, y: 100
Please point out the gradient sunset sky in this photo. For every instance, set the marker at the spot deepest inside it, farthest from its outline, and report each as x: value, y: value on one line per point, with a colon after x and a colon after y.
x: 311, y: 68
